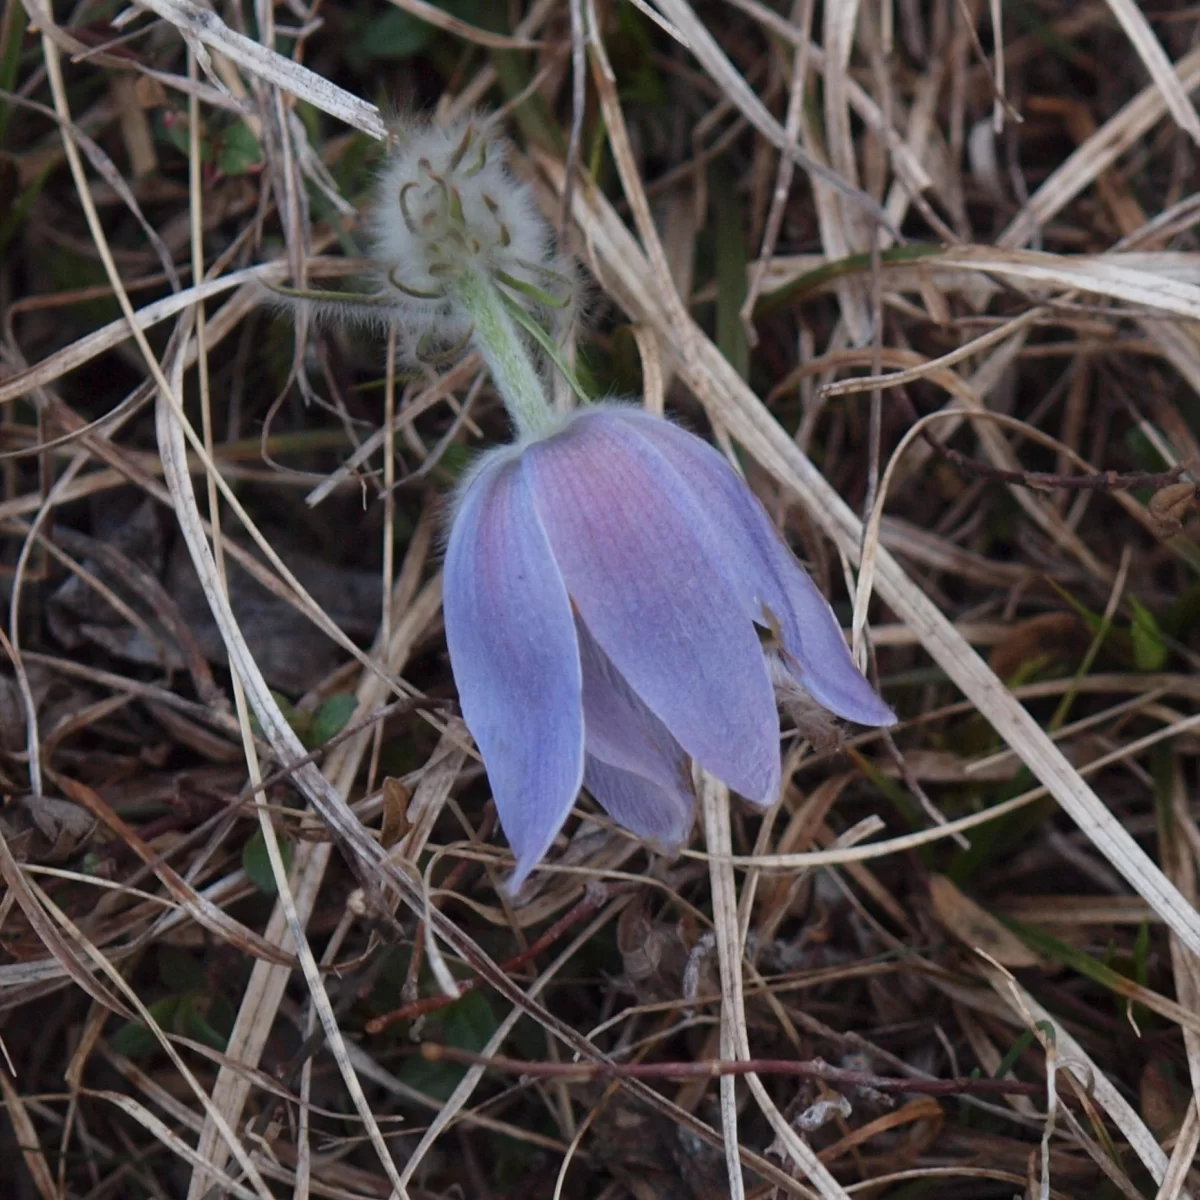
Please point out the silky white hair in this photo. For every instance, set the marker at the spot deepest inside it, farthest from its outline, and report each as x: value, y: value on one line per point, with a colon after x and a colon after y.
x: 447, y: 203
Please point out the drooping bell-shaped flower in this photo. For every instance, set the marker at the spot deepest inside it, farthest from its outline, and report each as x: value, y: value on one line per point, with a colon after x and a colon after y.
x: 608, y: 578
x: 605, y: 589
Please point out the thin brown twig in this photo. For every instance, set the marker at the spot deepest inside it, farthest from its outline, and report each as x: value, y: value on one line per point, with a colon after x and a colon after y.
x: 815, y: 1068
x: 593, y: 898
x: 1049, y: 481
x: 1046, y: 481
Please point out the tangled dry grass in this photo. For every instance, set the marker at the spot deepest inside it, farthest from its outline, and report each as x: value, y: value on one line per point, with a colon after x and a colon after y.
x: 929, y: 274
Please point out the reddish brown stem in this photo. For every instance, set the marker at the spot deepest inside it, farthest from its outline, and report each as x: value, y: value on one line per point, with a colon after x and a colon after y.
x: 815, y: 1068
x: 593, y: 898
x: 1045, y: 481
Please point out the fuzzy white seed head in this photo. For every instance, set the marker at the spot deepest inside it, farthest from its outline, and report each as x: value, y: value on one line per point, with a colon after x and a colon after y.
x: 460, y: 257
x: 447, y: 207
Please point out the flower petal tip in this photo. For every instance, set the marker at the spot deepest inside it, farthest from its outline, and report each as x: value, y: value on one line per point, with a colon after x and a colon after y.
x: 850, y: 697
x: 660, y: 814
x: 512, y: 885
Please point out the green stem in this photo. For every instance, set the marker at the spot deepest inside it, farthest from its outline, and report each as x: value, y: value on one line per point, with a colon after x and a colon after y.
x: 506, y: 353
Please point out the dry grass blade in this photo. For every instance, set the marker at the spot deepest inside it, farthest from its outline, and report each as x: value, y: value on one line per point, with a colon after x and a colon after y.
x: 714, y: 801
x: 1096, y: 155
x: 202, y: 28
x: 264, y: 992
x: 143, y: 1014
x: 1096, y: 275
x: 172, y: 446
x: 27, y: 1138
x: 702, y: 43
x: 470, y: 33
x: 1078, y: 1063
x: 1150, y: 51
x: 175, y: 1144
x: 1183, y: 1158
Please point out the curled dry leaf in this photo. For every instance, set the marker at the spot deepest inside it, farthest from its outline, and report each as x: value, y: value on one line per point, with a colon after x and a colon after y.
x: 1169, y: 506
x: 1156, y: 1094
x: 396, y: 821
x: 63, y: 827
x: 653, y: 953
x: 976, y: 928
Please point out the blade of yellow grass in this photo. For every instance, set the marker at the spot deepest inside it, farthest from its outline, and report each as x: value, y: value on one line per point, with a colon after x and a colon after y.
x: 843, y: 230
x: 704, y: 46
x: 1150, y: 51
x: 1097, y: 154
x: 67, y: 933
x: 735, y: 1039
x: 1074, y: 1058
x: 27, y: 1138
x: 172, y: 446
x: 264, y: 991
x: 443, y: 20
x: 171, y: 425
x: 1097, y: 275
x: 906, y: 153
x: 170, y: 1141
x: 201, y: 27
x: 1183, y: 1158
x: 1180, y: 861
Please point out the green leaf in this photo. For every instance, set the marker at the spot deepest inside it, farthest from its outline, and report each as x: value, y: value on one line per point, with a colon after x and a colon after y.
x: 543, y: 339
x: 301, y: 722
x: 134, y: 1040
x: 13, y: 40
x: 180, y: 972
x: 15, y: 209
x: 731, y: 268
x: 207, y: 1019
x: 332, y: 717
x: 257, y: 863
x: 171, y: 125
x: 1141, y: 954
x: 1020, y: 1046
x: 1078, y: 960
x: 1143, y: 448
x: 395, y: 35
x: 905, y: 804
x: 239, y: 151
x: 1150, y: 650
x: 824, y: 276
x: 467, y: 1024
x: 1094, y: 620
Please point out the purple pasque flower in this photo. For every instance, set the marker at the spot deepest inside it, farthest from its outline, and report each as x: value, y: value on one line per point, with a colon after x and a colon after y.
x: 604, y: 589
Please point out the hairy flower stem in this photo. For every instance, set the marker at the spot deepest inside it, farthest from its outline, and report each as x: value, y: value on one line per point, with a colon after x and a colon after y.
x: 506, y: 354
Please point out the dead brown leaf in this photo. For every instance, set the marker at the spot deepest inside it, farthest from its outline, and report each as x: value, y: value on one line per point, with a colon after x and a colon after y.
x: 975, y: 927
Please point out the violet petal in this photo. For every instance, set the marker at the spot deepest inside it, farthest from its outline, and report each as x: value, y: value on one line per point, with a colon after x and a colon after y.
x: 515, y: 657
x: 640, y: 564
x: 774, y: 588
x: 619, y: 729
x: 656, y: 814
